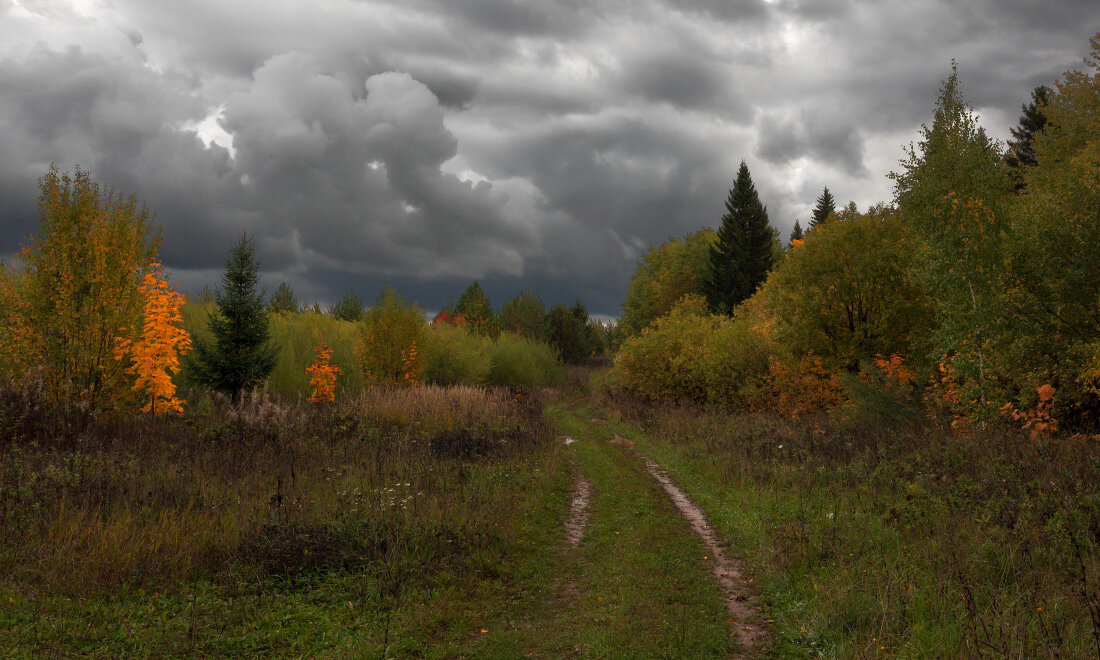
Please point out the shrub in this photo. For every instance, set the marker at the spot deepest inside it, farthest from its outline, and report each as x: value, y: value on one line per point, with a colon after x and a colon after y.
x: 520, y: 361
x: 692, y: 354
x: 452, y: 355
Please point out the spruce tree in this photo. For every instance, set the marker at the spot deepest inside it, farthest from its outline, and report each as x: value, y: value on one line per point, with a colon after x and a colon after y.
x: 1021, y: 148
x: 825, y: 206
x: 742, y: 256
x: 283, y: 300
x: 796, y: 233
x: 349, y: 307
x: 240, y: 356
x: 475, y: 307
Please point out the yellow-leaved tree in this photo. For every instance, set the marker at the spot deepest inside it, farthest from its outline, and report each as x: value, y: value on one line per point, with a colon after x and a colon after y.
x: 155, y: 356
x: 73, y: 290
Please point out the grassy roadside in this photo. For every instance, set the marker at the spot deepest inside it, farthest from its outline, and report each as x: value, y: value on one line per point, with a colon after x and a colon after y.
x: 903, y: 543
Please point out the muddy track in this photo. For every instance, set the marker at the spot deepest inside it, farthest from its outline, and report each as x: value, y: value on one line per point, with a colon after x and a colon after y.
x: 578, y: 510
x: 726, y: 571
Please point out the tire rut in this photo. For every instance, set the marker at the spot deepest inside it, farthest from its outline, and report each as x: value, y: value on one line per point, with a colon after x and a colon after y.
x: 727, y: 571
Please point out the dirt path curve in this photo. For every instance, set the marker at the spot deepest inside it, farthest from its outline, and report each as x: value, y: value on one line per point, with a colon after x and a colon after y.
x: 726, y: 571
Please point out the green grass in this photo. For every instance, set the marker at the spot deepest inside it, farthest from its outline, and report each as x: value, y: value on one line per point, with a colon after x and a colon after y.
x: 872, y: 542
x: 393, y: 524
x: 637, y: 585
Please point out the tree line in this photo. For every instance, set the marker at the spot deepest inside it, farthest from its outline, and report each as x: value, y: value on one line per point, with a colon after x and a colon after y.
x: 977, y: 285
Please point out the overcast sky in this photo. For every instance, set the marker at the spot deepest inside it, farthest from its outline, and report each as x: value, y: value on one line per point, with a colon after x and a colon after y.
x: 531, y: 145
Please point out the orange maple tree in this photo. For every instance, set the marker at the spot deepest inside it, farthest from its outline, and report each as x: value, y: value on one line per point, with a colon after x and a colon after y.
x: 323, y: 374
x: 155, y: 356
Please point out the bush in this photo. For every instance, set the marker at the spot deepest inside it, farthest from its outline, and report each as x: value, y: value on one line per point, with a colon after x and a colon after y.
x: 520, y: 361
x: 692, y: 354
x: 452, y: 355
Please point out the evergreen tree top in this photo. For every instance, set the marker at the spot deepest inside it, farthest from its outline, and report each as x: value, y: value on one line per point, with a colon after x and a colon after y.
x: 796, y: 232
x: 1021, y: 149
x: 826, y: 205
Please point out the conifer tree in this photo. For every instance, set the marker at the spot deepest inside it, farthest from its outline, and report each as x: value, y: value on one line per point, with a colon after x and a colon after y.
x: 1021, y: 149
x: 349, y: 307
x: 525, y: 314
x: 283, y: 300
x: 475, y: 307
x: 240, y: 356
x: 796, y: 233
x: 743, y: 254
x: 826, y: 205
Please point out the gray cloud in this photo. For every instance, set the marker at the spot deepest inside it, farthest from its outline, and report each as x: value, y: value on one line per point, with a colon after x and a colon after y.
x: 531, y: 145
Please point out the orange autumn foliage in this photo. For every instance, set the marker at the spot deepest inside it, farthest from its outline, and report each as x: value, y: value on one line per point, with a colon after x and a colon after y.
x: 155, y: 356
x: 899, y: 378
x: 803, y: 387
x: 1038, y: 421
x: 323, y: 374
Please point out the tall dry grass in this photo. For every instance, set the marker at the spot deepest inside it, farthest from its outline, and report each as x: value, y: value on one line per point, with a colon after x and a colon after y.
x: 408, y: 478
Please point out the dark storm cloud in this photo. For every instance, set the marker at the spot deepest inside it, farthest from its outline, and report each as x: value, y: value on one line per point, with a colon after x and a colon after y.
x: 531, y: 145
x: 829, y: 141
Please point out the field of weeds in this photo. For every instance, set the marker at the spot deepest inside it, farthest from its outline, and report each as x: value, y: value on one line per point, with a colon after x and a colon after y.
x: 378, y: 503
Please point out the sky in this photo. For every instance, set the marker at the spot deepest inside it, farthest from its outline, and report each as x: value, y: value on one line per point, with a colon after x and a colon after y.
x: 538, y: 145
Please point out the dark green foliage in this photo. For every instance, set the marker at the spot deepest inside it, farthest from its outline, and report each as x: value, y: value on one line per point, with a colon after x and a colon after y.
x: 1021, y: 148
x: 283, y: 300
x: 240, y: 356
x: 743, y: 254
x: 796, y: 233
x: 525, y: 315
x: 349, y: 307
x: 826, y: 206
x: 475, y: 307
x: 568, y: 334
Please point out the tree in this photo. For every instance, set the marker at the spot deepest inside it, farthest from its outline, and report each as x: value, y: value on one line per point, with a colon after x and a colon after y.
x: 525, y: 315
x: 348, y: 308
x: 952, y: 192
x: 240, y: 356
x: 389, y: 339
x: 796, y: 233
x: 848, y: 293
x: 474, y: 306
x: 1054, y: 288
x: 744, y: 251
x: 76, y: 289
x: 283, y: 301
x: 665, y: 274
x: 155, y: 357
x: 1021, y: 148
x: 567, y: 334
x: 826, y: 206
x: 322, y: 374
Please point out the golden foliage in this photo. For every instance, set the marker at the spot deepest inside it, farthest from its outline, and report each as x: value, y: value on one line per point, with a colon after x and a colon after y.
x: 75, y: 288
